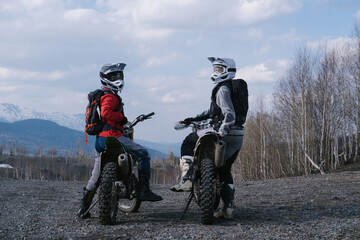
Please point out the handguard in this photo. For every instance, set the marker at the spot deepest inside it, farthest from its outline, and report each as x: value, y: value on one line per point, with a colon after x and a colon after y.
x: 180, y: 125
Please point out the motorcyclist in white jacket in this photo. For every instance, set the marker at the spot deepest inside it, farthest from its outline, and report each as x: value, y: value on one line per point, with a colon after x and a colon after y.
x: 222, y: 115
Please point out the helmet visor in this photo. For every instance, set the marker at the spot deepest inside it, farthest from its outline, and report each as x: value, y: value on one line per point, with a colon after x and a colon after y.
x: 115, y: 76
x: 219, y: 69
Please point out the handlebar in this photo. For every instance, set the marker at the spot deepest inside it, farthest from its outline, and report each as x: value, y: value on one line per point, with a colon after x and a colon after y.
x: 196, y: 125
x: 141, y: 118
x: 149, y: 115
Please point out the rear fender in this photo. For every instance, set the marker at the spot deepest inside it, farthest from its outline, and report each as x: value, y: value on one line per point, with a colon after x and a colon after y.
x: 112, y: 153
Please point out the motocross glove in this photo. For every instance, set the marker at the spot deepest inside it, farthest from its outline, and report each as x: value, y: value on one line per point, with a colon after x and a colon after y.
x: 124, y: 121
x: 222, y: 134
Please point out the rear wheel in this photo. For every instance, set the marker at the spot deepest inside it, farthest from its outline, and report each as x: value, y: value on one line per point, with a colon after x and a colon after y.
x: 130, y: 203
x: 108, y: 195
x: 207, y: 191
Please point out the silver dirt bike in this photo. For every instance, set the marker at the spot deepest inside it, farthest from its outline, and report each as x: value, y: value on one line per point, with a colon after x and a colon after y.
x: 209, y: 157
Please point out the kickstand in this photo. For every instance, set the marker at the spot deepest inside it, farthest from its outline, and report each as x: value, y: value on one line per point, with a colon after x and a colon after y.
x: 92, y: 205
x: 187, y: 205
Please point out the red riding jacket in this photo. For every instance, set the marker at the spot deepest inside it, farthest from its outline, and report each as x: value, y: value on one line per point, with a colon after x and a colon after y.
x: 112, y: 112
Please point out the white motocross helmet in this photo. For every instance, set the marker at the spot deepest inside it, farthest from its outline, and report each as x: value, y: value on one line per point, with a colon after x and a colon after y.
x: 224, y: 69
x: 112, y: 76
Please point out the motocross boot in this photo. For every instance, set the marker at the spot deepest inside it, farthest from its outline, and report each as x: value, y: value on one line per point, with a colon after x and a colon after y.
x: 227, y: 196
x: 186, y: 168
x: 145, y: 193
x: 85, y: 204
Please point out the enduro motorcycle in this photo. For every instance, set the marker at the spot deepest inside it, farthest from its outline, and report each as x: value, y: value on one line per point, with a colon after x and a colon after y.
x: 119, y: 186
x: 209, y: 157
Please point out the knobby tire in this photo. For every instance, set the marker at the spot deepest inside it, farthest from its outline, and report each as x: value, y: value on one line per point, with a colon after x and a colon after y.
x: 108, y: 196
x: 207, y: 191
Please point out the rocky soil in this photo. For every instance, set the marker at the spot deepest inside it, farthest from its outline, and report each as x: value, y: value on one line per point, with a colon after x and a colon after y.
x: 310, y: 207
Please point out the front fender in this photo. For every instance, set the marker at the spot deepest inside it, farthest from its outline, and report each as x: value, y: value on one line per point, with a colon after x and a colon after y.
x: 205, y: 147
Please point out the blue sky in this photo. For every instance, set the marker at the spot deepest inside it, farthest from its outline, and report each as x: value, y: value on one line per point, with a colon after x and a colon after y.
x: 51, y: 50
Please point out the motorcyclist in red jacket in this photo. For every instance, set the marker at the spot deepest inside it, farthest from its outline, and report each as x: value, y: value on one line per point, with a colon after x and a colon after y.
x: 112, y: 112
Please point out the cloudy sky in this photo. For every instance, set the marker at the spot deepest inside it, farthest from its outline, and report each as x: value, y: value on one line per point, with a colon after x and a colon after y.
x: 51, y: 50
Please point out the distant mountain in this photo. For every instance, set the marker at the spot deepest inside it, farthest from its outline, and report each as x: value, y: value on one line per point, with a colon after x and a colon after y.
x: 10, y: 113
x: 162, y: 147
x: 33, y: 134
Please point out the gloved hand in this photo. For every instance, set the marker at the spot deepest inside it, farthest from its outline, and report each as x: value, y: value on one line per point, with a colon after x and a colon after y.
x: 222, y: 134
x: 124, y: 121
x: 187, y: 121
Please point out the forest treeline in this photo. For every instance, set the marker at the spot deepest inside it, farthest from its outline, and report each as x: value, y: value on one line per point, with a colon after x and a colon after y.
x: 313, y: 124
x: 74, y: 169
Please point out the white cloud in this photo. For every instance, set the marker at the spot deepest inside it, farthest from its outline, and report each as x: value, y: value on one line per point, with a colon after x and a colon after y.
x: 141, y: 20
x: 175, y: 96
x: 8, y: 88
x: 204, y: 73
x: 256, y: 102
x: 63, y: 99
x: 8, y: 73
x: 38, y: 4
x: 248, y: 12
x: 6, y: 7
x: 136, y: 103
x: 255, y: 33
x: 290, y: 36
x: 198, y: 13
x: 357, y: 15
x: 264, y: 49
x: 159, y: 61
x: 196, y: 41
x: 330, y: 43
x: 80, y: 14
x: 28, y: 6
x: 265, y: 72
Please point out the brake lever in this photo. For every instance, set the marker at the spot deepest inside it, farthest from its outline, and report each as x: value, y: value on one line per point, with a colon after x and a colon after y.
x: 140, y: 118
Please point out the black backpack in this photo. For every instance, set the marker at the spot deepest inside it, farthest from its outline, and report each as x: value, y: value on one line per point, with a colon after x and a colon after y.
x: 93, y: 123
x: 240, y: 100
x: 239, y: 97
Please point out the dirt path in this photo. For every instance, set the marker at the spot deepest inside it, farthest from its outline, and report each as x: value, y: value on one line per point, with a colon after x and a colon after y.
x: 312, y: 207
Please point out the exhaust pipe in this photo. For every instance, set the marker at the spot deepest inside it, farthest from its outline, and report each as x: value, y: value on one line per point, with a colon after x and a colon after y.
x: 220, y: 149
x: 125, y: 164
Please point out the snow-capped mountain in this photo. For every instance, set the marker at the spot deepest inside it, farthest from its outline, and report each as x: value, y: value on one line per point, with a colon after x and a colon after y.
x: 12, y: 113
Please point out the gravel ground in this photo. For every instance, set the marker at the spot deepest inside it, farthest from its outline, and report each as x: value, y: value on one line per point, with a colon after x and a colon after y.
x: 311, y: 207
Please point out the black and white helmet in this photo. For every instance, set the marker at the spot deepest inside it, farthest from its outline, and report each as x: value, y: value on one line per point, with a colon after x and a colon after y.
x: 112, y: 76
x: 224, y: 69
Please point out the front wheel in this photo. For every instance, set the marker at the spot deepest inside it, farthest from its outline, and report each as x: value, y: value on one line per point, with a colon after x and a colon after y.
x: 207, y: 191
x: 108, y: 195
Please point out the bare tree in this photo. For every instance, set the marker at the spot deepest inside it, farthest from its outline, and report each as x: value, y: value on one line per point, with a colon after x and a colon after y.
x: 355, y: 85
x: 294, y: 100
x: 52, y: 152
x: 327, y: 105
x: 21, y: 151
x: 40, y: 152
x: 2, y: 147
